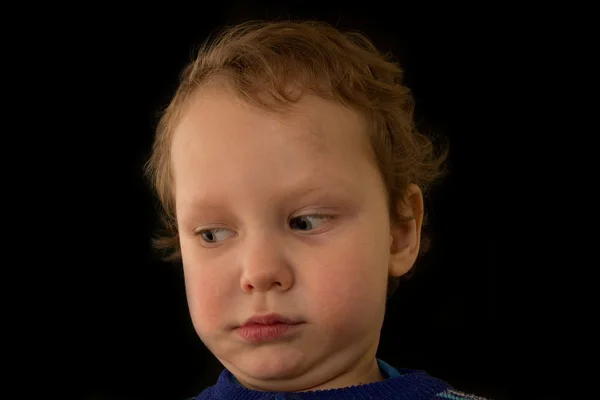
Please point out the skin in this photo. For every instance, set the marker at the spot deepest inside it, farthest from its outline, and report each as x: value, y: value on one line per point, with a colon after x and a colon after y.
x: 249, y: 188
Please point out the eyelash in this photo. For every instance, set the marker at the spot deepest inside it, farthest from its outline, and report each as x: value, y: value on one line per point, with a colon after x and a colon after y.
x: 320, y: 217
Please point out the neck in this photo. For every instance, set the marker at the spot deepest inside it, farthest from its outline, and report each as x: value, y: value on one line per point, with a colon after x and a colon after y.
x: 365, y: 370
x: 405, y: 384
x: 361, y: 374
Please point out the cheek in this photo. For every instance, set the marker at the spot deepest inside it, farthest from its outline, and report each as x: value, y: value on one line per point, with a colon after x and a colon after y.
x: 350, y: 280
x: 202, y: 296
x: 206, y: 294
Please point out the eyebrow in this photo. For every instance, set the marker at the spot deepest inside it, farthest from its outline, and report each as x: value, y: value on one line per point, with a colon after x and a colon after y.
x: 309, y: 185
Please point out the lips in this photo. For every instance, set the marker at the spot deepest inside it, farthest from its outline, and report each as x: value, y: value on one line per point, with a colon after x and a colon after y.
x: 269, y: 319
x: 267, y: 328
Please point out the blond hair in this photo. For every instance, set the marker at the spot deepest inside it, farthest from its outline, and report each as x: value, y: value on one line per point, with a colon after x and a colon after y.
x: 260, y: 60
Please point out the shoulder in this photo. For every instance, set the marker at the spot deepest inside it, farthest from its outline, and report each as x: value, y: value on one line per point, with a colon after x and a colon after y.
x: 452, y: 394
x: 220, y: 390
x: 206, y: 394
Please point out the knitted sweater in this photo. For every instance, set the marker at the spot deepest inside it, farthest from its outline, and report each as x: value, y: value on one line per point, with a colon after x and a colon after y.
x: 398, y: 384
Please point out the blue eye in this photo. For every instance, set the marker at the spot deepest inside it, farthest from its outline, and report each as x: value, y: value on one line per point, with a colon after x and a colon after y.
x: 307, y: 222
x: 303, y: 223
x: 212, y: 235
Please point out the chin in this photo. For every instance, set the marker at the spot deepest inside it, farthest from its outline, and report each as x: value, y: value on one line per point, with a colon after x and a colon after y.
x: 270, y: 362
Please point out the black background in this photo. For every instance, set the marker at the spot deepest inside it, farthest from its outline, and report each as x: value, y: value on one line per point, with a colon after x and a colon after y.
x: 466, y: 317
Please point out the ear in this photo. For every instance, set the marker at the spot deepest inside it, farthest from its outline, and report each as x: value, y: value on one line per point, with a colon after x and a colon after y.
x: 405, y: 236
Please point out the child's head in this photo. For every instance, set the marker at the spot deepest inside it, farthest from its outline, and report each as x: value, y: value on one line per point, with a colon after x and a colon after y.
x: 291, y: 176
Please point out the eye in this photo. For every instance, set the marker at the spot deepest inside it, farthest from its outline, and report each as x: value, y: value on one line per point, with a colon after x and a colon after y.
x: 307, y: 222
x: 213, y: 235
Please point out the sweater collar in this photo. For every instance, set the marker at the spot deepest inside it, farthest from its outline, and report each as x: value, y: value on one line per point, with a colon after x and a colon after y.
x: 403, y: 383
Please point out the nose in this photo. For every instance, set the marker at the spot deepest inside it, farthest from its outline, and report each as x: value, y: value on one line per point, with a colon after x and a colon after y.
x: 264, y: 267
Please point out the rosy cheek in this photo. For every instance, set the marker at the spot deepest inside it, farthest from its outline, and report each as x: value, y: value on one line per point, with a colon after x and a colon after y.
x: 205, y: 297
x: 341, y: 285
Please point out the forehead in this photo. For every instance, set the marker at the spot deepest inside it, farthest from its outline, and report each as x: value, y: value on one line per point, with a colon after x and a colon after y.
x: 223, y: 143
x: 216, y: 108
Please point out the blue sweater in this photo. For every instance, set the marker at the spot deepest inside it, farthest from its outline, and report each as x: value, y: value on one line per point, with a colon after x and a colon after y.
x: 398, y: 384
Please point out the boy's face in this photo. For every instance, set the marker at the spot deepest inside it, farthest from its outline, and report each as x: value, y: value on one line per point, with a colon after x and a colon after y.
x: 249, y: 190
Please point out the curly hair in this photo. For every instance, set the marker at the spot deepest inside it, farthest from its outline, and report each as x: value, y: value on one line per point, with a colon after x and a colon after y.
x: 261, y: 59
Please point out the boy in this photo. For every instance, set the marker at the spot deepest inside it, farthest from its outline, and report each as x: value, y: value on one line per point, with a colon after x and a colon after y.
x: 292, y: 178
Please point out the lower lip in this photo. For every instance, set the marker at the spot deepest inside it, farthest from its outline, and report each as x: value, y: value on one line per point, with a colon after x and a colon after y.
x: 256, y: 333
